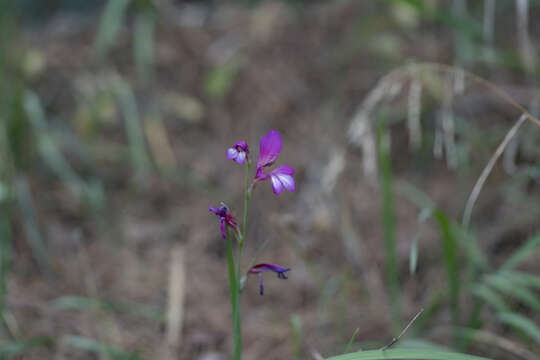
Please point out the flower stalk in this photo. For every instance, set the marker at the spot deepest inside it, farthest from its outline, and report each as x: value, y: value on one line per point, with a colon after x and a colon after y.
x: 280, y: 178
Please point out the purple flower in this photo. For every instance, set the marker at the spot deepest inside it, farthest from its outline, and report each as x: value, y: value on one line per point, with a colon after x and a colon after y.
x: 280, y: 177
x: 238, y: 152
x: 225, y: 218
x: 260, y: 268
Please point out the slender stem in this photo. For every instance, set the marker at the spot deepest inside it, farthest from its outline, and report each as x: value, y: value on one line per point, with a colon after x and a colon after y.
x: 233, y: 289
x: 237, y: 323
x: 246, y: 201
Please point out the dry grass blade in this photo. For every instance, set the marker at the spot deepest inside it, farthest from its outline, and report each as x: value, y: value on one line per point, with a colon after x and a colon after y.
x: 487, y: 170
x: 175, y: 308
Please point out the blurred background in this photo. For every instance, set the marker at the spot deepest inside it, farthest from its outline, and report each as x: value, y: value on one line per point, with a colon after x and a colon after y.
x: 115, y: 116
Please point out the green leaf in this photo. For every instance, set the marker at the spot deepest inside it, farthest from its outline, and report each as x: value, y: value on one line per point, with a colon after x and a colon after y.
x: 133, y: 124
x: 406, y: 354
x: 512, y: 289
x: 524, y: 251
x: 450, y: 259
x: 523, y: 279
x: 91, y: 345
x: 143, y: 37
x: 388, y: 217
x: 9, y: 349
x: 413, y: 255
x: 522, y: 323
x: 110, y: 25
x: 490, y: 297
x: 351, y: 341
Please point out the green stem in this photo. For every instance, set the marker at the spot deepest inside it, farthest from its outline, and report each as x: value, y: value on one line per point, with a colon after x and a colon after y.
x: 389, y: 220
x: 237, y: 324
x: 233, y: 289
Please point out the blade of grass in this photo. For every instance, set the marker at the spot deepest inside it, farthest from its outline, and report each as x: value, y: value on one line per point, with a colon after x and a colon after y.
x: 351, y: 341
x: 406, y: 354
x: 30, y: 224
x: 514, y: 290
x: 523, y: 279
x: 93, y: 346
x: 490, y: 297
x: 522, y: 253
x: 5, y: 253
x: 10, y: 349
x: 522, y: 323
x: 110, y: 24
x: 143, y: 38
x: 450, y: 259
x: 413, y: 255
x: 46, y: 144
x: 134, y: 129
x: 473, y: 335
x: 296, y: 329
x: 388, y: 217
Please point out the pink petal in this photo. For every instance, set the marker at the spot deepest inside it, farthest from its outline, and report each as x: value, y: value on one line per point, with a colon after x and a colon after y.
x: 276, y: 184
x: 283, y: 169
x: 287, y: 181
x: 270, y: 147
x: 241, y: 157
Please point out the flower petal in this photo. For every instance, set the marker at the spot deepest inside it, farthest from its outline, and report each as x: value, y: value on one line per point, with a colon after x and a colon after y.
x: 287, y: 181
x: 270, y: 147
x: 213, y: 209
x: 242, y: 145
x: 264, y: 267
x: 276, y: 184
x: 232, y: 153
x: 283, y: 169
x: 241, y: 157
x: 222, y: 227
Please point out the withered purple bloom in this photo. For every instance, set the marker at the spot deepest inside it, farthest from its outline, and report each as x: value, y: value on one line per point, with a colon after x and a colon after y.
x: 261, y: 268
x: 238, y: 152
x: 225, y: 218
x: 280, y: 177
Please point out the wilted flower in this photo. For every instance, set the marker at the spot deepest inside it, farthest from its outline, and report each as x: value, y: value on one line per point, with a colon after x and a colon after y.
x: 225, y: 218
x: 261, y: 268
x: 280, y: 177
x: 238, y: 152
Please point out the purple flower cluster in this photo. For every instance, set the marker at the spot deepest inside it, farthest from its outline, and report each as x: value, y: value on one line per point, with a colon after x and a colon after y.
x: 280, y: 178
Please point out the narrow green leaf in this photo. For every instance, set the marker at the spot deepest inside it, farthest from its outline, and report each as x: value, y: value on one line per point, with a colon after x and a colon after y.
x: 388, y: 218
x: 134, y: 128
x: 512, y: 289
x: 527, y: 249
x: 143, y: 38
x: 296, y: 328
x: 351, y: 341
x: 9, y: 349
x: 490, y: 297
x: 523, y: 279
x: 450, y: 260
x: 522, y: 323
x: 91, y: 345
x: 36, y: 241
x: 406, y: 354
x: 5, y: 253
x: 111, y: 22
x: 413, y: 255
